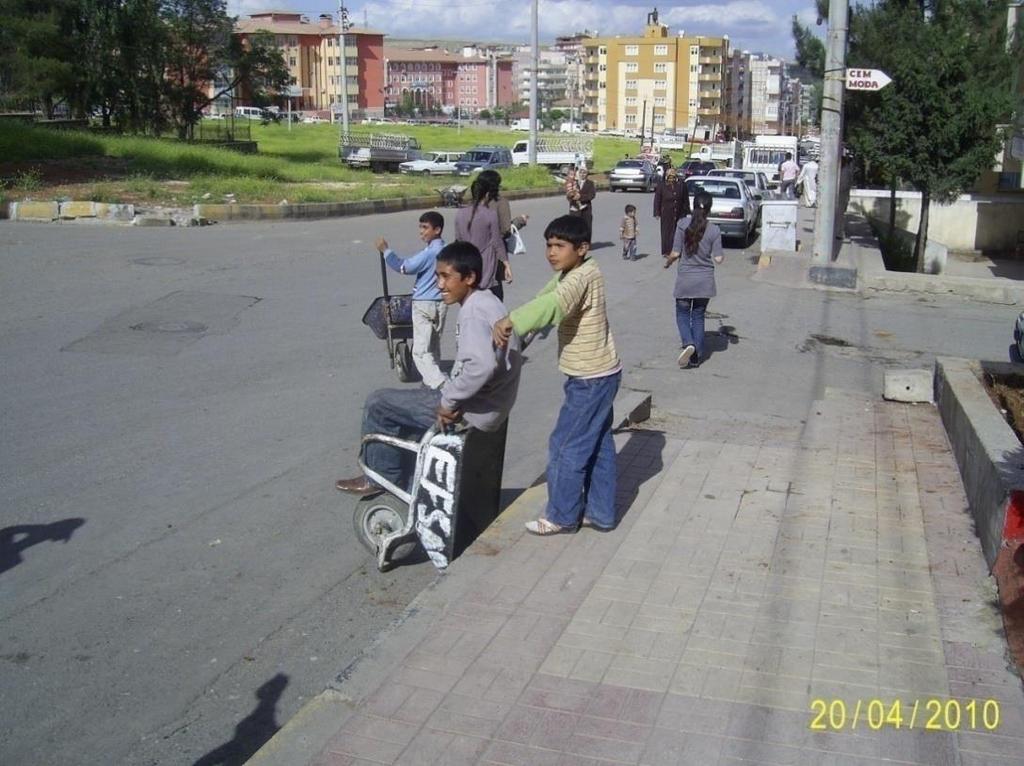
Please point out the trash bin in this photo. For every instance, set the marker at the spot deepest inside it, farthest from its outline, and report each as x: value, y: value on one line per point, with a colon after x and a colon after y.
x: 778, y: 225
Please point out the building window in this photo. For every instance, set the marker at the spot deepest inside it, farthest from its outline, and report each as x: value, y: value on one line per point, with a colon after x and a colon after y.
x: 292, y: 41
x: 631, y: 119
x: 660, y: 50
x: 694, y: 50
x: 659, y: 101
x: 631, y: 66
x: 602, y: 68
x: 630, y: 84
x: 632, y: 50
x: 659, y: 118
x: 602, y: 51
x: 661, y: 67
x: 630, y: 100
x: 693, y: 69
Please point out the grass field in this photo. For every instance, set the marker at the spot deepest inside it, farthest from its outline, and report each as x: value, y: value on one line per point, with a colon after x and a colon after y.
x: 300, y: 165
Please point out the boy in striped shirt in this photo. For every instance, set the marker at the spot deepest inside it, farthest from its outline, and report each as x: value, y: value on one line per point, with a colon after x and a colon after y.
x: 581, y: 461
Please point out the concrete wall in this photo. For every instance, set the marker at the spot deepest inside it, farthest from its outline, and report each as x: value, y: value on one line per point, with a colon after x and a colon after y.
x: 990, y: 224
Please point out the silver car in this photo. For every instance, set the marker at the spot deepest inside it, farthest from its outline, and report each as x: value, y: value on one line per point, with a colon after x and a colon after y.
x: 733, y: 208
x: 633, y: 174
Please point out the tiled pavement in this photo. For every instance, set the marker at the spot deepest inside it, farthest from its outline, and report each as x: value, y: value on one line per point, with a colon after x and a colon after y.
x: 747, y: 579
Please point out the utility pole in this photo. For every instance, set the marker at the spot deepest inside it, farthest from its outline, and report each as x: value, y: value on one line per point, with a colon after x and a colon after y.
x: 343, y: 26
x: 535, y: 56
x: 831, y: 131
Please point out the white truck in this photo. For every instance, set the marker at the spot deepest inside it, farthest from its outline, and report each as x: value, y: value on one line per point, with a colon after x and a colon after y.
x: 727, y: 153
x: 377, y: 151
x: 523, y: 123
x: 559, y: 152
x: 766, y: 153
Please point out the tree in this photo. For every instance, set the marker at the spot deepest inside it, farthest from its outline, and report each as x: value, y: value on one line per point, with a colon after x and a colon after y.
x: 810, y: 50
x: 34, y: 59
x: 201, y: 50
x: 937, y: 125
x: 485, y: 114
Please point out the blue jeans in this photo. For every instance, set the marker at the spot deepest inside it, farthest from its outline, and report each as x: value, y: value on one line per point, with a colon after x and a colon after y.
x: 581, y: 459
x: 690, y: 321
x: 629, y: 249
x: 407, y: 413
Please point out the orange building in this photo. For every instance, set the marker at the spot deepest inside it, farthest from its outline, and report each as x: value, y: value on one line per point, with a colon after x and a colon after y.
x: 312, y: 53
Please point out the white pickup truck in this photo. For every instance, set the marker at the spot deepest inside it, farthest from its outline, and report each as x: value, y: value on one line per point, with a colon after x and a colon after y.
x: 556, y: 152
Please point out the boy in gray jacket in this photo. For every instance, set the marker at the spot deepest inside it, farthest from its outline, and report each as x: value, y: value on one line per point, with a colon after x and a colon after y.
x: 482, y: 387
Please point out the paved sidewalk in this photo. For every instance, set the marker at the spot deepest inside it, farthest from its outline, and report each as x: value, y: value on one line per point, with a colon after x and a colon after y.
x: 752, y: 575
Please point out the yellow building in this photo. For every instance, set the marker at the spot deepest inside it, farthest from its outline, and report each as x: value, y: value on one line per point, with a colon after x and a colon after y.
x: 673, y: 83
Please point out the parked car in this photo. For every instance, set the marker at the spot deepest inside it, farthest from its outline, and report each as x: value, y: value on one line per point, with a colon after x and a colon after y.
x: 432, y: 163
x: 484, y: 158
x: 311, y: 119
x: 633, y: 174
x: 733, y: 208
x: 696, y: 168
x: 757, y: 182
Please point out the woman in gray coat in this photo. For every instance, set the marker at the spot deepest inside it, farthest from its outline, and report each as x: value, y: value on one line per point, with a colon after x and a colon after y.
x: 697, y: 247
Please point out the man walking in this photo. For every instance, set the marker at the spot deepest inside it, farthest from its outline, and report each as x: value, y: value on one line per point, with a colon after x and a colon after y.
x: 788, y: 171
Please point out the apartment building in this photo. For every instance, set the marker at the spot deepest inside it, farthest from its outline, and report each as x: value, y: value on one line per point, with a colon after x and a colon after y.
x: 439, y: 79
x: 552, y: 75
x: 312, y: 52
x: 574, y: 48
x: 760, y: 98
x: 675, y: 83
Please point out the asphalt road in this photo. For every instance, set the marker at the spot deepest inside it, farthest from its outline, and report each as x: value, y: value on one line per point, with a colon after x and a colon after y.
x: 177, y: 574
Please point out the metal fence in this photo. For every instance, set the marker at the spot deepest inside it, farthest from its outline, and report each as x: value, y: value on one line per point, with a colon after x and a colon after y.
x: 223, y: 130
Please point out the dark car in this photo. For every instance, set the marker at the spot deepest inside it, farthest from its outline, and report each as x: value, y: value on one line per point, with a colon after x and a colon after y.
x: 483, y: 158
x: 695, y: 168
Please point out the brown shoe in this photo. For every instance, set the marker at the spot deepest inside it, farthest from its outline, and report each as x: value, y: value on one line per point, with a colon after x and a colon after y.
x: 361, y: 485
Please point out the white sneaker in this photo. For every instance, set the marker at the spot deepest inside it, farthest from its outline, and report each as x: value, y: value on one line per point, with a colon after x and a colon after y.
x: 684, y: 357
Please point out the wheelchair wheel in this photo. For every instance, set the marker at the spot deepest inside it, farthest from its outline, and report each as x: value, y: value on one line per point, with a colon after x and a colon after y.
x: 378, y: 517
x: 403, y: 362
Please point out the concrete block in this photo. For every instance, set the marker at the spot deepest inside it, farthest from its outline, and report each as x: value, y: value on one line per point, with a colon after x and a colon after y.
x: 77, y: 209
x: 909, y: 386
x: 35, y: 211
x: 633, y: 407
x: 833, y: 276
x: 114, y: 212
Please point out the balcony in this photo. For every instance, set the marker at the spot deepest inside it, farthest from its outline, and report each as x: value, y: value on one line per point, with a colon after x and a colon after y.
x: 709, y: 60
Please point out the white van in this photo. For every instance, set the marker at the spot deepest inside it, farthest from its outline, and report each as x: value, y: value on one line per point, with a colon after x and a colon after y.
x: 250, y: 112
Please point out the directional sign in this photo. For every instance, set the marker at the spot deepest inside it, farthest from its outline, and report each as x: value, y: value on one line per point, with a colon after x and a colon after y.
x: 866, y: 79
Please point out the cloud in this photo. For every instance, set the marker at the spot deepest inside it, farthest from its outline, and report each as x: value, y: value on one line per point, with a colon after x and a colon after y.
x: 762, y: 25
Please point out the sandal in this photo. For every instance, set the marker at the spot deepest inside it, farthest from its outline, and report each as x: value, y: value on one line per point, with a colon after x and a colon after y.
x: 543, y: 528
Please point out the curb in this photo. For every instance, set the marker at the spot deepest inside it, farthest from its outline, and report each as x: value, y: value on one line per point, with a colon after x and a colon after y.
x: 991, y: 462
x: 203, y: 213
x: 310, y: 730
x: 873, y: 275
x: 229, y: 213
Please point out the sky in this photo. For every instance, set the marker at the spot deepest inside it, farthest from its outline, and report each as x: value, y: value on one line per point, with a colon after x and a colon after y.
x: 754, y: 25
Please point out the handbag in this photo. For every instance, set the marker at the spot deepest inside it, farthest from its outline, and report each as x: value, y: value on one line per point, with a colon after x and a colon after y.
x: 514, y: 242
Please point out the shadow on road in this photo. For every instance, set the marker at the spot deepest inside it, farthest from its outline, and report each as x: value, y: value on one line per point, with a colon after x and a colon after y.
x: 253, y: 731
x: 13, y: 540
x: 638, y: 460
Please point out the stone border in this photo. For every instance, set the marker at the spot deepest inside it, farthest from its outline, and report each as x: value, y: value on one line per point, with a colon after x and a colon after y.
x: 991, y: 461
x: 872, y: 275
x: 44, y: 211
x: 228, y: 213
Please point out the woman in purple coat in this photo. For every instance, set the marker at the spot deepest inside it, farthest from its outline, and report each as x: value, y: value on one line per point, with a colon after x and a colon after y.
x: 671, y: 202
